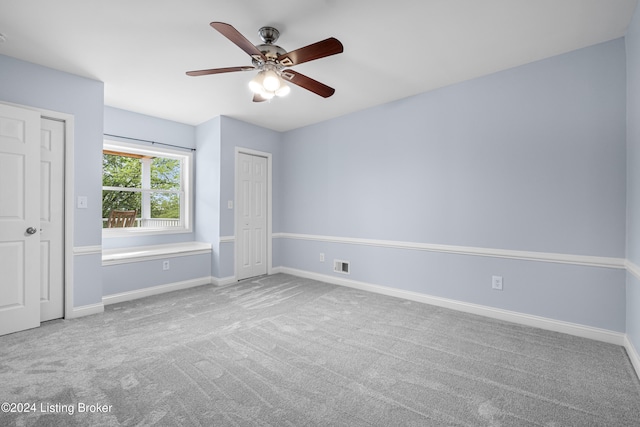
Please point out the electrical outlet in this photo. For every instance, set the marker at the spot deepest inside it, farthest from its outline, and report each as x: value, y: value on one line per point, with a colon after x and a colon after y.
x: 165, y: 265
x: 321, y: 257
x: 496, y: 283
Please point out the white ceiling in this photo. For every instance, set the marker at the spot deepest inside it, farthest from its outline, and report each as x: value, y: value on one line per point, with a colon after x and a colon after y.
x: 141, y: 49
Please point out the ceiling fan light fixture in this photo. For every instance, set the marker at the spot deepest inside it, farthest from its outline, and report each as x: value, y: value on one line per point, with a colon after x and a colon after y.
x: 256, y: 84
x: 267, y: 94
x: 271, y: 61
x: 271, y: 81
x: 267, y: 84
x: 283, y: 90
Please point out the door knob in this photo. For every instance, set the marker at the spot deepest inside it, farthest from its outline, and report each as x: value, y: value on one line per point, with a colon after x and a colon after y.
x: 31, y: 230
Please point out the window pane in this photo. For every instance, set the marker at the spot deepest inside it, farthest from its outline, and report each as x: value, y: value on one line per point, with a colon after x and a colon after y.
x: 149, y: 180
x: 120, y: 200
x: 165, y: 174
x: 120, y: 171
x: 166, y: 205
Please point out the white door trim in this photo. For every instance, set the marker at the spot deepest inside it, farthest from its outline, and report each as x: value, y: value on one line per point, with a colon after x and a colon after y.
x: 69, y: 126
x: 268, y: 156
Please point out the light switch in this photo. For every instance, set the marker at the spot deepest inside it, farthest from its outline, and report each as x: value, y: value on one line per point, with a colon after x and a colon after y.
x: 230, y: 204
x: 82, y: 202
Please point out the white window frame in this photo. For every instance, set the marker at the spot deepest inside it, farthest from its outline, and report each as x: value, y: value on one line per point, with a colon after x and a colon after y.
x: 186, y: 185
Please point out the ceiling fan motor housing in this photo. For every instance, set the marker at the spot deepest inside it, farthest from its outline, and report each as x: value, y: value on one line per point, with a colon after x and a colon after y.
x: 268, y: 34
x: 271, y: 51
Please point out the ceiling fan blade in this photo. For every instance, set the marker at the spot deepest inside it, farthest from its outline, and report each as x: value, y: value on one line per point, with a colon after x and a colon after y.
x: 238, y: 39
x: 321, y: 49
x: 258, y: 98
x: 219, y: 71
x: 308, y: 83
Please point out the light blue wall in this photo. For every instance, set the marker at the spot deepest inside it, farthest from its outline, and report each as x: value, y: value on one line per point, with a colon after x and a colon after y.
x: 129, y: 277
x: 633, y: 310
x: 633, y: 177
x: 235, y: 133
x: 208, y: 188
x: 633, y: 139
x: 134, y: 125
x: 532, y: 158
x: 36, y: 86
x: 217, y: 140
x: 590, y: 296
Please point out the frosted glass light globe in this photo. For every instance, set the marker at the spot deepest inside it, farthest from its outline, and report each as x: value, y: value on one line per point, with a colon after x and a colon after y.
x: 256, y: 83
x: 267, y: 94
x: 283, y: 90
x: 271, y: 81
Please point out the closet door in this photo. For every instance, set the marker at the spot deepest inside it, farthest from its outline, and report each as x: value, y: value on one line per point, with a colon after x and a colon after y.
x: 52, y: 139
x: 251, y: 216
x: 19, y: 219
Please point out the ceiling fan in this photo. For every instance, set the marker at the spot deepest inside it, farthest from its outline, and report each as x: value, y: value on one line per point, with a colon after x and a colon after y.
x: 272, y: 63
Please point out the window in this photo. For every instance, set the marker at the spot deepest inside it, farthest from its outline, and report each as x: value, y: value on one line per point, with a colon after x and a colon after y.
x: 153, y: 182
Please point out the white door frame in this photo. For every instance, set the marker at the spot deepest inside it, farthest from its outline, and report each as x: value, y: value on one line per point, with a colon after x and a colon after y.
x: 236, y: 227
x: 68, y: 120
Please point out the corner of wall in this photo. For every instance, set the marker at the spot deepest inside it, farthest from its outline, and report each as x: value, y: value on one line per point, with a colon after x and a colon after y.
x: 207, y: 188
x: 632, y: 47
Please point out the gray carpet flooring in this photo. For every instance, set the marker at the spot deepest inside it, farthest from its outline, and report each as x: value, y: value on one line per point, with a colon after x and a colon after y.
x: 286, y: 351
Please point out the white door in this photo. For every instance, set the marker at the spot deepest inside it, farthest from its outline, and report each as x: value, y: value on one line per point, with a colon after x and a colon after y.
x: 19, y: 219
x: 52, y: 141
x: 251, y: 216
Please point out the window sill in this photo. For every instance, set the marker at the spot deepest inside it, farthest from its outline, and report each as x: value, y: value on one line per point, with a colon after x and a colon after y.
x: 149, y: 253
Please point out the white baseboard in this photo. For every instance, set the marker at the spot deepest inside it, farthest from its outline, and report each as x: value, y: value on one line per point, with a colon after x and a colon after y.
x: 224, y: 281
x: 85, y: 310
x: 155, y: 290
x: 634, y: 356
x: 598, y: 334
